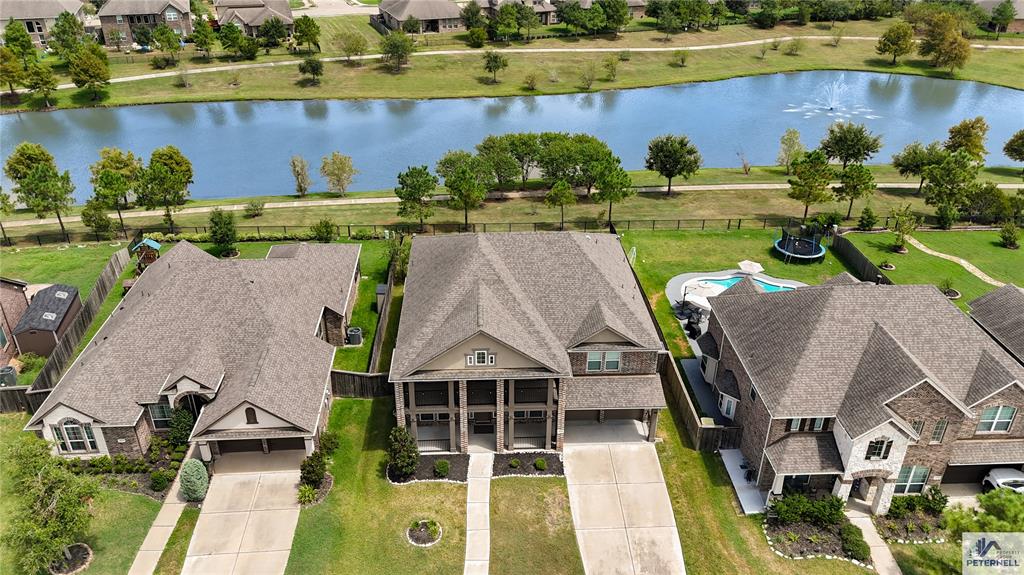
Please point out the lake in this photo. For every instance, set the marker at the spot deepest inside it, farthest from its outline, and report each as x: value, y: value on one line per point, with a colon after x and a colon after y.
x: 243, y: 148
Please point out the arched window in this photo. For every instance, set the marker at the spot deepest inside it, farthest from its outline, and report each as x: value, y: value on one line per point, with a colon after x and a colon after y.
x: 70, y: 436
x: 250, y: 416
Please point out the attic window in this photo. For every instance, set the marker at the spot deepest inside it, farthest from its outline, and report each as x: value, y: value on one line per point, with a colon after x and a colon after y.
x: 250, y: 416
x: 480, y: 357
x: 49, y: 316
x: 61, y: 295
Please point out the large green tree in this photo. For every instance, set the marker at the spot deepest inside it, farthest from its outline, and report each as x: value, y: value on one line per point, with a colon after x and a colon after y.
x: 67, y: 35
x: 165, y: 181
x: 616, y: 13
x: 560, y: 195
x: 17, y: 39
x: 593, y: 158
x: 467, y: 178
x: 949, y: 186
x: 41, y: 81
x: 203, y: 36
x: 472, y: 16
x: 613, y: 186
x: 272, y: 31
x: 850, y: 143
x: 672, y: 157
x: 856, y: 182
x: 525, y: 148
x: 167, y: 40
x: 307, y: 32
x: 395, y: 50
x: 26, y: 156
x: 913, y: 159
x: 944, y: 44
x: 231, y: 38
x: 114, y: 177
x: 415, y: 191
x: 558, y: 158
x: 89, y: 69
x: 11, y: 71
x: 46, y: 190
x: 527, y: 19
x: 897, y: 40
x: 495, y: 151
x: 969, y: 136
x: 1014, y: 148
x: 813, y: 176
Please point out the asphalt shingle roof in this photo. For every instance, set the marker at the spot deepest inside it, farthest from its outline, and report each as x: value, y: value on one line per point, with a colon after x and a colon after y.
x: 194, y: 315
x: 128, y: 7
x: 988, y: 452
x: 47, y: 308
x: 614, y: 392
x: 535, y: 292
x: 1001, y: 313
x: 707, y: 344
x: 421, y: 9
x: 36, y: 9
x: 799, y: 453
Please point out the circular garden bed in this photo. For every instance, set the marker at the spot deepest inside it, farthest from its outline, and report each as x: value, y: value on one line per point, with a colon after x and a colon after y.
x: 81, y: 557
x: 424, y: 533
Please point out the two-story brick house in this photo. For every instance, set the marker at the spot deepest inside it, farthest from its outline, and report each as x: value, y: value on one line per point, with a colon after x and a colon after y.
x: 245, y: 345
x: 39, y: 16
x: 862, y: 389
x: 508, y: 340
x: 123, y: 16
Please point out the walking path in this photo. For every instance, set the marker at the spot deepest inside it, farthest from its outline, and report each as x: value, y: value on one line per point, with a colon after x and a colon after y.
x: 966, y: 264
x: 233, y: 67
x: 153, y: 545
x: 881, y: 556
x: 353, y: 201
x: 478, y: 514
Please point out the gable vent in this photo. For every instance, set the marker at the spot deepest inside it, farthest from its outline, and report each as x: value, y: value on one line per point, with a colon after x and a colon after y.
x: 61, y: 295
x: 49, y: 316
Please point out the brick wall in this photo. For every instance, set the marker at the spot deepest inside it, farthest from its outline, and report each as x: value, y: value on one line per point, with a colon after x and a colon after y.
x: 1013, y: 396
x: 752, y: 416
x: 130, y: 447
x: 925, y: 403
x: 632, y: 362
x: 109, y: 24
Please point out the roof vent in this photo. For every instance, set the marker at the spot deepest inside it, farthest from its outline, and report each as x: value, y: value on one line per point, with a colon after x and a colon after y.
x: 61, y: 295
x: 49, y: 316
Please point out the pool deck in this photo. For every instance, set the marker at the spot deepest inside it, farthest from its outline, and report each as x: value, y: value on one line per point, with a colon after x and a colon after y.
x: 674, y: 287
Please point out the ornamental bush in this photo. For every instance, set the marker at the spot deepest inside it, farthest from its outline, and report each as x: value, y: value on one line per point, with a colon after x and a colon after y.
x: 194, y: 480
x: 403, y: 456
x: 441, y: 468
x: 159, y: 480
x: 853, y: 542
x: 307, y: 494
x: 934, y: 501
x: 868, y: 220
x: 323, y: 231
x: 181, y: 426
x: 901, y: 506
x: 540, y: 464
x: 826, y: 511
x: 313, y: 469
x: 514, y: 463
x: 1010, y: 236
x: 790, y: 509
x: 329, y: 442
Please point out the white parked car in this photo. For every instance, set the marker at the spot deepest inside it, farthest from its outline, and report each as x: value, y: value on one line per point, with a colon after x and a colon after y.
x: 1003, y: 477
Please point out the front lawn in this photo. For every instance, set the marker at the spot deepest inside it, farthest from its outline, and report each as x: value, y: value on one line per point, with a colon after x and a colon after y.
x: 917, y: 267
x: 929, y: 559
x: 983, y: 249
x: 360, y: 527
x: 531, y: 527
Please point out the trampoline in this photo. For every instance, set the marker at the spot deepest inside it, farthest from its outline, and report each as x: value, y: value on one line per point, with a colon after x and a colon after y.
x: 801, y: 242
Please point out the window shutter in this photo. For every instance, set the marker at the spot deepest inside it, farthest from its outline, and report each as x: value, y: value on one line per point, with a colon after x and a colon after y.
x: 490, y: 359
x: 888, y: 447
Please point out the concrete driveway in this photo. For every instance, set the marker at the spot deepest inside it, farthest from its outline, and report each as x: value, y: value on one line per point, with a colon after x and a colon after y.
x: 621, y: 510
x: 246, y: 524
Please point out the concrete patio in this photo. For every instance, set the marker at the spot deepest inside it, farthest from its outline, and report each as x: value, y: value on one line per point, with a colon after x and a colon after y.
x: 752, y: 500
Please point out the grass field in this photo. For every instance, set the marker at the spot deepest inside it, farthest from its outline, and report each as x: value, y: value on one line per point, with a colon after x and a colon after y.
x: 931, y: 559
x: 373, y: 265
x: 983, y: 249
x: 531, y: 527
x: 76, y: 266
x: 391, y: 330
x: 173, y: 557
x: 360, y: 528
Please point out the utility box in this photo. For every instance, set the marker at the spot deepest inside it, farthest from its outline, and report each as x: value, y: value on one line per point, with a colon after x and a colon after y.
x: 354, y: 336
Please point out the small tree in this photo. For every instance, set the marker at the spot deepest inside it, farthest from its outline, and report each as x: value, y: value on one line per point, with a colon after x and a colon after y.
x: 902, y: 222
x: 476, y: 37
x: 66, y: 35
x: 1003, y: 15
x: 613, y: 186
x: 616, y: 14
x: 181, y: 426
x: 944, y: 43
x: 165, y: 181
x: 17, y: 39
x: 41, y: 81
x: 248, y: 48
x: 898, y: 40
x: 850, y: 143
x: 313, y: 469
x: 94, y: 216
x: 467, y: 179
x: 324, y: 231
x: 338, y: 170
x: 472, y: 17
x: 402, y: 453
x: 167, y: 40
x: 790, y: 148
x: 1009, y: 235
x: 969, y: 136
x: 231, y: 38
x: 587, y: 76
x: 914, y: 158
x: 89, y: 70
x: 307, y: 32
x: 856, y: 182
x: 415, y: 191
x: 203, y: 36
x: 494, y: 62
x: 527, y: 18
x: 559, y: 196
x: 395, y: 50
x: 669, y: 25
x: 46, y: 190
x: 611, y: 67
x: 949, y: 186
x: 312, y: 67
x: 811, y: 185
x: 11, y: 70
x: 143, y: 35
x: 672, y: 157
x: 412, y: 25
x: 868, y: 219
x: 300, y: 171
x: 113, y: 177
x: 118, y: 38
x: 222, y: 231
x: 194, y: 480
x: 272, y: 31
x: 353, y: 45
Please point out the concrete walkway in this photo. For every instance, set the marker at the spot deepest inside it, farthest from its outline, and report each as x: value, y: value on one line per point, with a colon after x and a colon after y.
x: 966, y: 264
x: 478, y: 514
x: 881, y: 556
x: 153, y: 545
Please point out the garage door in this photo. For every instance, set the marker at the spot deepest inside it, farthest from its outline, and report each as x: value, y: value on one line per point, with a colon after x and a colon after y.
x: 240, y: 445
x: 971, y: 473
x: 286, y: 443
x: 624, y: 414
x: 581, y: 415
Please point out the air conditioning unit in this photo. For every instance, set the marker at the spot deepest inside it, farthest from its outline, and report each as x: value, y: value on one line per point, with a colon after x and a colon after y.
x: 8, y: 376
x: 354, y: 336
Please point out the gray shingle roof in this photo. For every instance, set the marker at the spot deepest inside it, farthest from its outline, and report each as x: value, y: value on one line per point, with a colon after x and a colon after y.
x: 841, y: 278
x: 47, y: 308
x: 1001, y: 313
x: 988, y: 452
x: 800, y: 453
x: 254, y: 320
x: 254, y: 12
x: 535, y: 292
x: 707, y: 344
x: 726, y: 383
x: 614, y: 392
x: 128, y: 7
x: 805, y: 348
x: 421, y: 9
x: 36, y: 9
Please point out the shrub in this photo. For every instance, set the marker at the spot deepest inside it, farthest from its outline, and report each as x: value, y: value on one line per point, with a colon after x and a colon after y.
x: 254, y: 209
x: 433, y: 529
x: 177, y: 456
x: 181, y: 426
x: 1010, y: 236
x: 794, y: 47
x: 323, y: 231
x: 540, y: 464
x: 934, y: 501
x: 680, y: 57
x: 158, y: 480
x: 175, y: 465
x: 162, y: 62
x: 901, y: 506
x: 194, y: 480
x: 181, y: 449
x: 476, y: 37
x: 826, y: 220
x: 868, y: 220
x: 947, y: 215
x: 100, y: 464
x: 625, y: 56
x: 514, y: 463
x: 313, y: 469
x: 530, y: 81
x: 853, y: 542
x: 790, y: 509
x: 329, y: 442
x: 120, y: 463
x: 307, y: 494
x: 403, y: 456
x: 826, y: 511
x: 31, y: 362
x: 441, y: 468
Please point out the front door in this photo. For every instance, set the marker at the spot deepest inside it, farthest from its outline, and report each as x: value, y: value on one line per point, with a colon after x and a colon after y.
x: 483, y: 422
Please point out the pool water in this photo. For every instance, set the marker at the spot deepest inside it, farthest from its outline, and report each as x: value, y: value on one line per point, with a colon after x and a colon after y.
x: 726, y: 283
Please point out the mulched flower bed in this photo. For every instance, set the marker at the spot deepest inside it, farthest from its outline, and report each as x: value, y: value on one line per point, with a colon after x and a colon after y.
x: 323, y: 490
x: 914, y: 527
x: 458, y: 469
x: 81, y: 557
x: 803, y: 539
x: 503, y: 467
x: 131, y: 483
x: 422, y: 535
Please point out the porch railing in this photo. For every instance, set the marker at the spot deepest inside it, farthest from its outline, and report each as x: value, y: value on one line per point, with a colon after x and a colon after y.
x: 434, y: 445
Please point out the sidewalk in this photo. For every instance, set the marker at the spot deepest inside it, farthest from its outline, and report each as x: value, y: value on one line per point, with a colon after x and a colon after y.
x: 881, y: 556
x: 153, y: 545
x: 478, y: 514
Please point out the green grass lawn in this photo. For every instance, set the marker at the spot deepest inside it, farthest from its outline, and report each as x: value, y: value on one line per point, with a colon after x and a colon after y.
x: 983, y: 249
x: 360, y: 528
x: 917, y: 267
x: 531, y: 527
x: 79, y: 267
x: 930, y: 559
x: 373, y: 265
x: 173, y: 557
x: 387, y: 348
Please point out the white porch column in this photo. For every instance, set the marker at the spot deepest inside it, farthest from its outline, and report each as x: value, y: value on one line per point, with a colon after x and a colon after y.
x: 204, y: 451
x: 309, y: 445
x: 841, y: 489
x: 883, y: 497
x: 777, y: 484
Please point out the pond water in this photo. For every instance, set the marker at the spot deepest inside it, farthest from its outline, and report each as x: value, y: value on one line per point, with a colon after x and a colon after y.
x: 243, y: 148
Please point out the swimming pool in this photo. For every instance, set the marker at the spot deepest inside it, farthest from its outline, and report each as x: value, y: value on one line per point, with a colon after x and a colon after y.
x: 726, y: 283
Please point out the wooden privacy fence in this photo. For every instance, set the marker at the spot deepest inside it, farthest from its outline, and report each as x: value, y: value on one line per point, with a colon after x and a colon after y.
x: 356, y: 384
x: 382, y: 320
x: 64, y: 353
x: 864, y: 269
x: 13, y: 399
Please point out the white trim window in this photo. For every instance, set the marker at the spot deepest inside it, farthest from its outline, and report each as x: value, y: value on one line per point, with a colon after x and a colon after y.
x: 794, y: 424
x: 726, y: 405
x: 171, y: 15
x: 74, y: 437
x: 878, y: 449
x: 817, y: 424
x: 911, y: 479
x: 939, y: 431
x: 918, y: 426
x: 996, y: 419
x: 604, y: 360
x: 594, y: 361
x: 612, y: 360
x: 480, y: 357
x: 160, y: 413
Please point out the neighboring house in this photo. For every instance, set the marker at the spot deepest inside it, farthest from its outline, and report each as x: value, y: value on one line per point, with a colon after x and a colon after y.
x: 1018, y: 20
x: 13, y: 303
x: 434, y: 15
x: 245, y: 345
x: 126, y: 15
x: 1001, y: 313
x: 508, y: 340
x: 249, y: 15
x: 49, y: 314
x: 636, y: 7
x: 862, y: 389
x: 39, y: 16
x: 544, y: 9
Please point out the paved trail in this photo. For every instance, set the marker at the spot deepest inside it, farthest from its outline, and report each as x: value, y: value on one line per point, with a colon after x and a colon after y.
x: 966, y: 264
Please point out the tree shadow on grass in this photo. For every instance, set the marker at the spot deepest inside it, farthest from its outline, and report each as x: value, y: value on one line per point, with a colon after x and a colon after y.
x: 307, y: 83
x: 88, y: 98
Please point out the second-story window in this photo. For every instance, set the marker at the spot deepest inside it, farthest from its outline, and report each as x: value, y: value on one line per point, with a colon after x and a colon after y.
x: 603, y: 360
x: 939, y: 431
x: 918, y: 426
x: 611, y: 360
x: 794, y: 424
x: 879, y: 449
x: 593, y: 361
x: 996, y: 419
x: 817, y: 424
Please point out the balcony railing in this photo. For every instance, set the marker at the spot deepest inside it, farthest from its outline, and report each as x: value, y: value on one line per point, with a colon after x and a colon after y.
x: 538, y: 395
x: 429, y: 445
